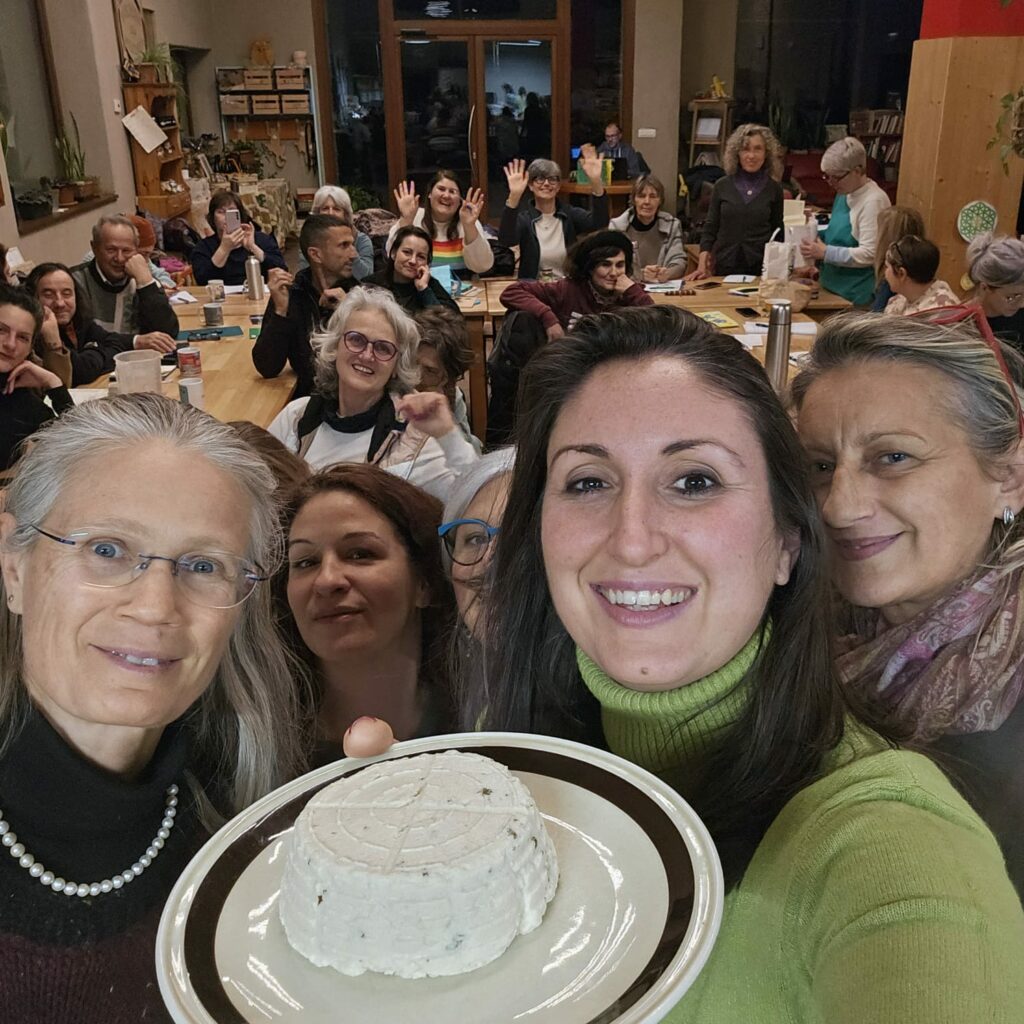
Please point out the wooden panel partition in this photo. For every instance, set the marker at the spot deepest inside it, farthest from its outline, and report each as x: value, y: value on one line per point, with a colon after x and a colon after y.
x: 952, y: 107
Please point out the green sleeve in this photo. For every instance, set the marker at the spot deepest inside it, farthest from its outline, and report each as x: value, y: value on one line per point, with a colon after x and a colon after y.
x: 902, y: 912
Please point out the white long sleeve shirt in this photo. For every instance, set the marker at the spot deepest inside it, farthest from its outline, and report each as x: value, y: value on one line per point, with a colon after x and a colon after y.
x: 865, y: 205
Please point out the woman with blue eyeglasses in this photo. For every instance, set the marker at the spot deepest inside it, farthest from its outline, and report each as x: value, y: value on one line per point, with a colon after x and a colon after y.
x: 472, y: 521
x: 365, y: 407
x: 136, y: 710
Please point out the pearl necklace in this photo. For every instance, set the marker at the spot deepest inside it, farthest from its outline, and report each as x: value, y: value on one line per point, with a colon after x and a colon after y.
x: 48, y: 878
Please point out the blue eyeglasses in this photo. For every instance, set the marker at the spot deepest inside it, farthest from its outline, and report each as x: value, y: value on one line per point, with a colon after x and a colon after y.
x: 467, y: 540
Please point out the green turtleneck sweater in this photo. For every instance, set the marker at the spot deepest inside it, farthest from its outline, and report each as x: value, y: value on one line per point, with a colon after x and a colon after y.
x: 877, y: 896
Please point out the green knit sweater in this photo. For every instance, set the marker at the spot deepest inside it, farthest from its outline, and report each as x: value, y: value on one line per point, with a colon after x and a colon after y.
x: 877, y: 895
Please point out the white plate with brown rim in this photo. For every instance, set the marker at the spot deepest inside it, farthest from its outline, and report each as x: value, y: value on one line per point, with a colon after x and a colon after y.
x: 637, y: 910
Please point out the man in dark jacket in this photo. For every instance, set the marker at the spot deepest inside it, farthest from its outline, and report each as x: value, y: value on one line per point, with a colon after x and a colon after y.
x: 301, y: 304
x: 122, y: 294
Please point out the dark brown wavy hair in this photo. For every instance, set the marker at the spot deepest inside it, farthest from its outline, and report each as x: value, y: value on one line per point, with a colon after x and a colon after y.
x: 415, y: 516
x: 528, y: 679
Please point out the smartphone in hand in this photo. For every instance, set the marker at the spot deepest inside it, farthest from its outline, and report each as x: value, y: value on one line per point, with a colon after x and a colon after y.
x: 232, y: 220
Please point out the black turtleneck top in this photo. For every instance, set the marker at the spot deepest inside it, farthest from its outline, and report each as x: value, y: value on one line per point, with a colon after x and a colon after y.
x: 22, y: 413
x: 81, y: 960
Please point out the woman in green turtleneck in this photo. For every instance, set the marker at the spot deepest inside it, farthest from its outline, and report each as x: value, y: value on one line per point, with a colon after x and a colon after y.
x: 663, y: 594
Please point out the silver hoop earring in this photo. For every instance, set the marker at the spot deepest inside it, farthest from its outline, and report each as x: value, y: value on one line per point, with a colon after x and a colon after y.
x: 1008, y: 516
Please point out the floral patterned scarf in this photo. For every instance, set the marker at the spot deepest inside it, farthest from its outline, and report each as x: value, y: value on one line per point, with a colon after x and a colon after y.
x: 958, y: 667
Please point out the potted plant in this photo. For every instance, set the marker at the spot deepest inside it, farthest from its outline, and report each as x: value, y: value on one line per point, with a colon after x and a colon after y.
x: 72, y: 158
x: 33, y: 204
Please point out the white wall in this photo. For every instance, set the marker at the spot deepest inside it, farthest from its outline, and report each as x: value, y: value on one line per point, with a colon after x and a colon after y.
x: 656, y: 100
x: 85, y: 53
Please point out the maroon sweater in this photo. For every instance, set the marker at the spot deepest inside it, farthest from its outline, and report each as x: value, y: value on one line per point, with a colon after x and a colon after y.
x: 563, y: 302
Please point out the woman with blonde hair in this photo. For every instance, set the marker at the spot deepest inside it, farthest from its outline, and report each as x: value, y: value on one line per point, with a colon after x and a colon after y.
x: 894, y: 223
x: 365, y: 407
x: 144, y: 691
x: 913, y: 433
x: 746, y: 205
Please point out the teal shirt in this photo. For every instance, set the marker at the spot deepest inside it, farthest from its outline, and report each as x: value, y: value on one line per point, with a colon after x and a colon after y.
x: 877, y: 896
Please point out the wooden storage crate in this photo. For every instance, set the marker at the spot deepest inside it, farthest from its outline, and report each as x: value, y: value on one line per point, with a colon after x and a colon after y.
x: 259, y: 78
x: 290, y: 78
x: 295, y: 104
x: 234, y: 104
x: 241, y: 181
x: 266, y: 105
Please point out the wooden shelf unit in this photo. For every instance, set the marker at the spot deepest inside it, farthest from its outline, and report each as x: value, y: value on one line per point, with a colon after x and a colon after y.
x: 166, y: 162
x: 238, y: 86
x: 721, y: 109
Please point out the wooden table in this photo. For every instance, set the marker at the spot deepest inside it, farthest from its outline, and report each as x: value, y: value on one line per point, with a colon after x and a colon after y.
x: 233, y: 388
x: 473, y: 305
x: 617, y: 193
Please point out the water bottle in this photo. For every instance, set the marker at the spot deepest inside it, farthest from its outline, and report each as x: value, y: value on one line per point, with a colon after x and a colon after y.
x: 253, y: 279
x: 776, y: 353
x: 637, y: 269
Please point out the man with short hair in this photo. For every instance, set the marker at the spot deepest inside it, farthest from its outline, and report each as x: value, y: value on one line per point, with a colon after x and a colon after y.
x: 301, y: 304
x: 122, y: 293
x: 613, y: 148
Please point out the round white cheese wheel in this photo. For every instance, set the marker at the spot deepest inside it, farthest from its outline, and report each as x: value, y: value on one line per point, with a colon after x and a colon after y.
x: 418, y: 867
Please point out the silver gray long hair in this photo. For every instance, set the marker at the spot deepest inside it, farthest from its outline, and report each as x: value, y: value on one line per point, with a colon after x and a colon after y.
x: 245, y: 724
x: 407, y: 337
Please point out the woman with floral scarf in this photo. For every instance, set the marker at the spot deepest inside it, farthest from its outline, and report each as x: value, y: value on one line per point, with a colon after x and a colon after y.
x: 913, y: 431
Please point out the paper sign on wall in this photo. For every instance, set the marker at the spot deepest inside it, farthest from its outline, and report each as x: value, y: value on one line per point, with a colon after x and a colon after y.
x: 146, y: 132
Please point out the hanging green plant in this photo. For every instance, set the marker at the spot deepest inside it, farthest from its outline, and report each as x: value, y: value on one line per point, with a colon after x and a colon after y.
x: 1009, y: 133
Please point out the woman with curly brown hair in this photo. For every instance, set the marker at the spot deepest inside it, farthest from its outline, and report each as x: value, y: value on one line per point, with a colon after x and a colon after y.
x: 746, y: 205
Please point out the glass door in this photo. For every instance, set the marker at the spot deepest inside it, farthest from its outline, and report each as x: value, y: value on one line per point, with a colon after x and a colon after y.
x: 438, y: 101
x: 517, y: 85
x: 470, y: 103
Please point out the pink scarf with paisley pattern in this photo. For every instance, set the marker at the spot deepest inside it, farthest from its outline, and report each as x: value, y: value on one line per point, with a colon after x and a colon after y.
x: 958, y: 667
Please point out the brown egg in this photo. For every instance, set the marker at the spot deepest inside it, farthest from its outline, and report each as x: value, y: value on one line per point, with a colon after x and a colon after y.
x: 368, y: 737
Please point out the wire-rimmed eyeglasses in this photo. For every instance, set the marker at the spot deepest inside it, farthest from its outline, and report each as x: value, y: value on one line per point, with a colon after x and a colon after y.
x: 212, y: 579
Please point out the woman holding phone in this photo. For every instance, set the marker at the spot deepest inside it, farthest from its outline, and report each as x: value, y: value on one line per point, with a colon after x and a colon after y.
x: 222, y: 255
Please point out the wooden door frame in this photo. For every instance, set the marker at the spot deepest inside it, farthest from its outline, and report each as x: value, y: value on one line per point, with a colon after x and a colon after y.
x: 557, y: 30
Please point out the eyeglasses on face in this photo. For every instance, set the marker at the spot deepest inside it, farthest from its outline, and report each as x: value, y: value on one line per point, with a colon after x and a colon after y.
x: 547, y: 179
x: 834, y: 179
x: 467, y: 540
x: 212, y: 579
x: 383, y: 351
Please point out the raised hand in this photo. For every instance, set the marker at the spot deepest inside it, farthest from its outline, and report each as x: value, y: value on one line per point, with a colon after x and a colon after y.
x: 592, y: 165
x: 518, y: 180
x: 622, y: 283
x: 422, y: 278
x: 469, y: 212
x: 332, y: 298
x: 31, y: 375
x: 428, y: 410
x: 278, y: 283
x: 50, y: 332
x: 408, y: 201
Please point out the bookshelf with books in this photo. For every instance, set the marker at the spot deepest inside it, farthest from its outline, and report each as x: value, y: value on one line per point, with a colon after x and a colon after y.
x: 881, y: 131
